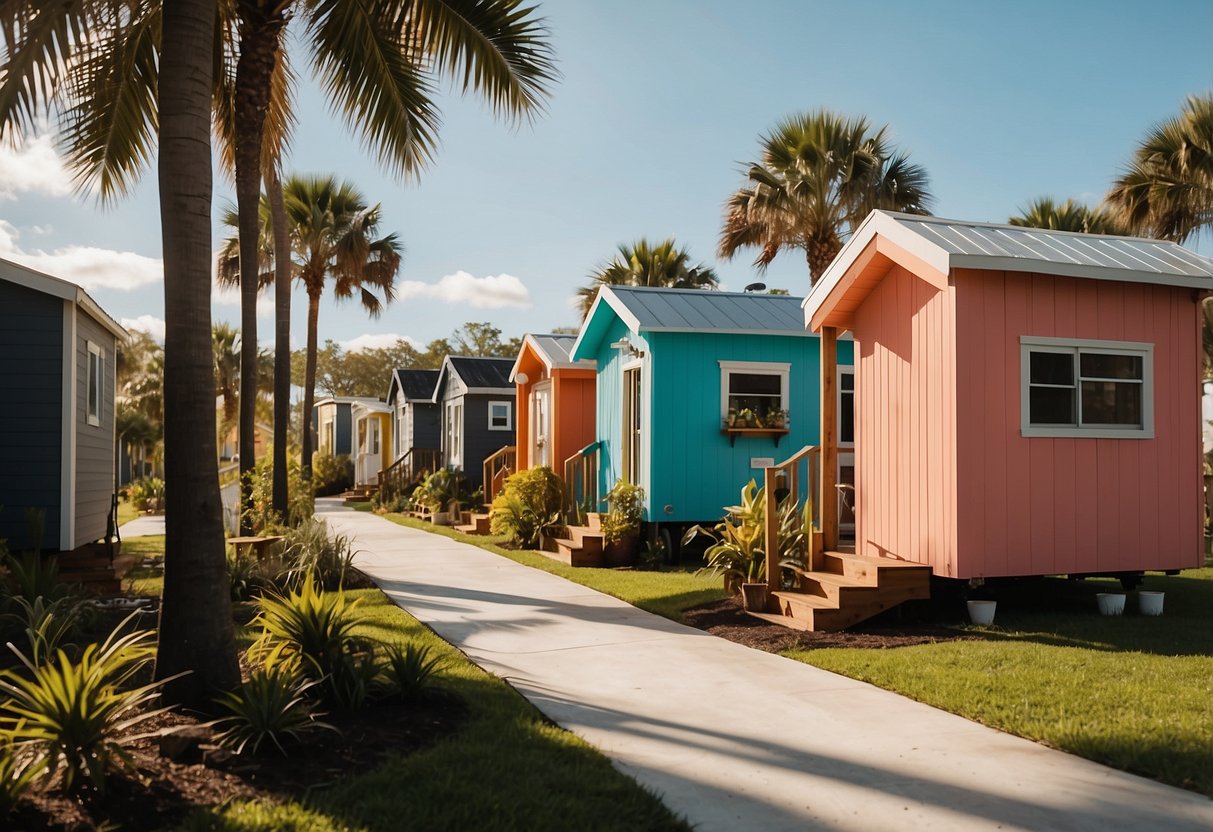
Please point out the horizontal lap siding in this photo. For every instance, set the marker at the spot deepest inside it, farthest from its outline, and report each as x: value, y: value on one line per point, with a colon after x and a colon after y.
x: 31, y: 390
x: 94, y: 443
x: 1038, y: 506
x: 905, y: 452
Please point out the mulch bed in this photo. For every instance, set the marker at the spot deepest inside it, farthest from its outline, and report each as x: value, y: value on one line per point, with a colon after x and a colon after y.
x: 726, y: 619
x: 161, y: 792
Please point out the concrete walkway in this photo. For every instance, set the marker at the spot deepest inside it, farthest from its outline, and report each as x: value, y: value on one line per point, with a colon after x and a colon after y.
x: 142, y: 526
x: 734, y: 738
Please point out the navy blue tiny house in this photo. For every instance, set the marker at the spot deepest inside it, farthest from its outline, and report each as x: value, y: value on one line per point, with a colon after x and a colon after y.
x: 58, y: 351
x: 476, y: 400
x: 415, y: 422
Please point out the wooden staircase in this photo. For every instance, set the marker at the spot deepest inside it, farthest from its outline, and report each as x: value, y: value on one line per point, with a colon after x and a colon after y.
x: 473, y: 522
x: 98, y: 568
x: 847, y: 590
x: 584, y: 546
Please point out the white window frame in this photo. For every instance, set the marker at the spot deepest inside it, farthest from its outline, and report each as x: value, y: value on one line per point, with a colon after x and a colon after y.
x: 509, y: 415
x: 454, y: 433
x: 1075, y: 347
x: 94, y: 395
x: 757, y: 368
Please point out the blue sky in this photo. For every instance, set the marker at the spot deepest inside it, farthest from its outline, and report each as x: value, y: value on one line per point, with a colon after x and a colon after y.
x: 658, y: 107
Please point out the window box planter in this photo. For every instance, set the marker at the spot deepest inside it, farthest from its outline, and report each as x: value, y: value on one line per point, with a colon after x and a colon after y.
x: 774, y: 433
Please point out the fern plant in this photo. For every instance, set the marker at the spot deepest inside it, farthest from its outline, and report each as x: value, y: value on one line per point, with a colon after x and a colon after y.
x: 76, y: 715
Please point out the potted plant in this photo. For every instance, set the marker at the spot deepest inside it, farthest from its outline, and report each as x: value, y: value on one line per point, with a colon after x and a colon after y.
x: 621, y: 524
x: 731, y: 419
x: 776, y: 419
x: 737, y: 552
x: 747, y: 418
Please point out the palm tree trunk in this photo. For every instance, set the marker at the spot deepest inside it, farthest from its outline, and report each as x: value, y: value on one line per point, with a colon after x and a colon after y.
x: 309, y: 378
x: 196, y: 633
x: 282, y: 344
x: 254, y: 67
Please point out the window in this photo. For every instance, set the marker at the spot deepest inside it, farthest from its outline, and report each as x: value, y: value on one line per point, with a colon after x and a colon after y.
x: 755, y: 386
x: 96, y: 382
x: 501, y: 416
x: 1097, y: 389
x: 454, y: 433
x: 846, y: 405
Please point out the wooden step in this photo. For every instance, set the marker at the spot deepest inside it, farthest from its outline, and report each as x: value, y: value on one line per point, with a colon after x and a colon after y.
x: 586, y: 537
x: 835, y: 588
x: 871, y: 570
x: 571, y: 552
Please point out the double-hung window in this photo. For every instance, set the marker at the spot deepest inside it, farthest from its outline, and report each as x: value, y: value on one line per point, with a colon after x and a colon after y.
x: 1096, y: 389
x: 754, y: 386
x: 501, y: 415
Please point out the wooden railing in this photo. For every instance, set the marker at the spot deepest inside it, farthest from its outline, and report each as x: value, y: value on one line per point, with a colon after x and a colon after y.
x: 497, y: 467
x: 798, y: 477
x: 408, y: 470
x: 581, y: 483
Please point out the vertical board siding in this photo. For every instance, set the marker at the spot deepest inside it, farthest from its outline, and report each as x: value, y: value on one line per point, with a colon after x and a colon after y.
x: 1039, y: 505
x: 94, y: 443
x: 31, y: 388
x: 609, y: 395
x: 572, y: 416
x: 904, y: 395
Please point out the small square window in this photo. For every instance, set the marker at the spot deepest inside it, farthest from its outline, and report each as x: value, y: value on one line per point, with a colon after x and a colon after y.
x: 501, y: 416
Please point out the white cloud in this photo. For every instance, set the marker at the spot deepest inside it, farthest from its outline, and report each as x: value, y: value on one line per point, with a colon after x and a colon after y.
x: 150, y: 324
x: 86, y: 266
x: 34, y: 166
x: 377, y: 341
x: 491, y: 292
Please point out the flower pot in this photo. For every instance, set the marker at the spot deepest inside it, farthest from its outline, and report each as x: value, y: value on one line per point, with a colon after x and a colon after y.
x: 1149, y: 603
x: 982, y: 612
x: 754, y: 597
x: 1110, y: 603
x: 621, y: 552
x: 440, y: 518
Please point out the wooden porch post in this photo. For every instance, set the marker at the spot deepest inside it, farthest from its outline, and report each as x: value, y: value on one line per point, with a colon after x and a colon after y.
x: 771, y: 528
x: 829, y: 438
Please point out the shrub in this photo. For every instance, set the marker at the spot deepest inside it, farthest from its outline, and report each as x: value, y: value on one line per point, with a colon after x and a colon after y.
x: 260, y: 514
x: 410, y: 670
x: 34, y: 576
x: 331, y: 474
x: 313, y: 625
x: 311, y: 550
x: 75, y: 714
x: 353, y: 675
x: 272, y: 705
x: 625, y: 511
x: 44, y: 625
x: 250, y: 576
x: 440, y: 488
x: 528, y: 506
x: 147, y: 494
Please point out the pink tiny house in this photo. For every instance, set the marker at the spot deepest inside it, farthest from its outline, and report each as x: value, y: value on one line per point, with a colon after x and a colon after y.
x: 1027, y: 401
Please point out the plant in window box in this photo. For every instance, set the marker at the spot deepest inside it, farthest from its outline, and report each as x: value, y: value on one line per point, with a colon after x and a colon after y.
x: 747, y: 418
x: 621, y: 524
x: 776, y: 419
x: 731, y: 419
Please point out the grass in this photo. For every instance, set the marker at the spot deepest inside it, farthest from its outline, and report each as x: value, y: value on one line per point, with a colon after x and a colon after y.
x: 666, y: 592
x: 1131, y: 692
x: 144, y: 581
x: 507, y: 768
x: 126, y: 511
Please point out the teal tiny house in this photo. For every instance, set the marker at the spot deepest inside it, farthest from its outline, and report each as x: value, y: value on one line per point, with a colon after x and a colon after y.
x: 691, y: 389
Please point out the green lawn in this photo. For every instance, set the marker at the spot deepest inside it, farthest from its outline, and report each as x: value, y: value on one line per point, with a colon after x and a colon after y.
x: 507, y: 768
x: 145, y: 582
x: 666, y: 592
x: 126, y: 511
x: 1132, y: 692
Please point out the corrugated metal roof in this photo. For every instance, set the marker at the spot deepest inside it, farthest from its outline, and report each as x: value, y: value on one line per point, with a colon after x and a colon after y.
x: 690, y: 310
x: 554, y: 347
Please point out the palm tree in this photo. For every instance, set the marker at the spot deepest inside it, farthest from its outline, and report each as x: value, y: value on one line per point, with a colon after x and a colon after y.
x: 1043, y: 212
x: 225, y: 343
x: 821, y: 174
x: 643, y: 264
x: 334, y: 233
x: 1167, y: 191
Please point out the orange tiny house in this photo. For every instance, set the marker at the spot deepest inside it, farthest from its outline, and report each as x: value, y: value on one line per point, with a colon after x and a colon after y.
x: 1027, y: 401
x: 556, y: 401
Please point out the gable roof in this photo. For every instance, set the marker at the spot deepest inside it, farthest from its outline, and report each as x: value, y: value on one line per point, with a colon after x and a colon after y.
x: 940, y: 245
x: 417, y: 385
x: 646, y: 309
x: 479, y: 375
x: 62, y: 289
x: 554, y: 351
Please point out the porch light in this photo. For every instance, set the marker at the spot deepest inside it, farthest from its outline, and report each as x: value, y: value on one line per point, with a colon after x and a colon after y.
x: 522, y: 378
x: 624, y: 345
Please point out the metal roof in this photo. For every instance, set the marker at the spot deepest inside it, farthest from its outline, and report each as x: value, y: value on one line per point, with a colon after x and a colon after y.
x: 554, y: 349
x: 945, y: 244
x: 416, y: 384
x: 647, y: 309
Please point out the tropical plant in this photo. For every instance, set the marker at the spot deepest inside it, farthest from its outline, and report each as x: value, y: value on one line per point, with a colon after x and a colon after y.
x: 77, y: 715
x: 272, y: 705
x: 644, y: 264
x: 353, y: 676
x: 440, y: 488
x: 316, y: 626
x: 737, y: 551
x: 33, y: 576
x: 44, y: 624
x: 17, y: 773
x: 148, y: 493
x: 820, y: 175
x: 261, y: 516
x: 410, y: 670
x: 1167, y: 191
x: 528, y: 506
x: 225, y: 342
x: 1043, y: 212
x: 330, y: 474
x: 625, y: 511
x: 312, y: 552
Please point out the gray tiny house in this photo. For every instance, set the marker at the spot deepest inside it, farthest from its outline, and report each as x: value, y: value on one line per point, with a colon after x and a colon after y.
x: 476, y: 400
x: 415, y: 422
x: 333, y: 424
x: 58, y: 351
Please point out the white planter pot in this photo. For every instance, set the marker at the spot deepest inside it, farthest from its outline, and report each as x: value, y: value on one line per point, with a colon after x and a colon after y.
x: 982, y: 612
x: 1110, y: 603
x: 440, y: 518
x: 1149, y: 603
